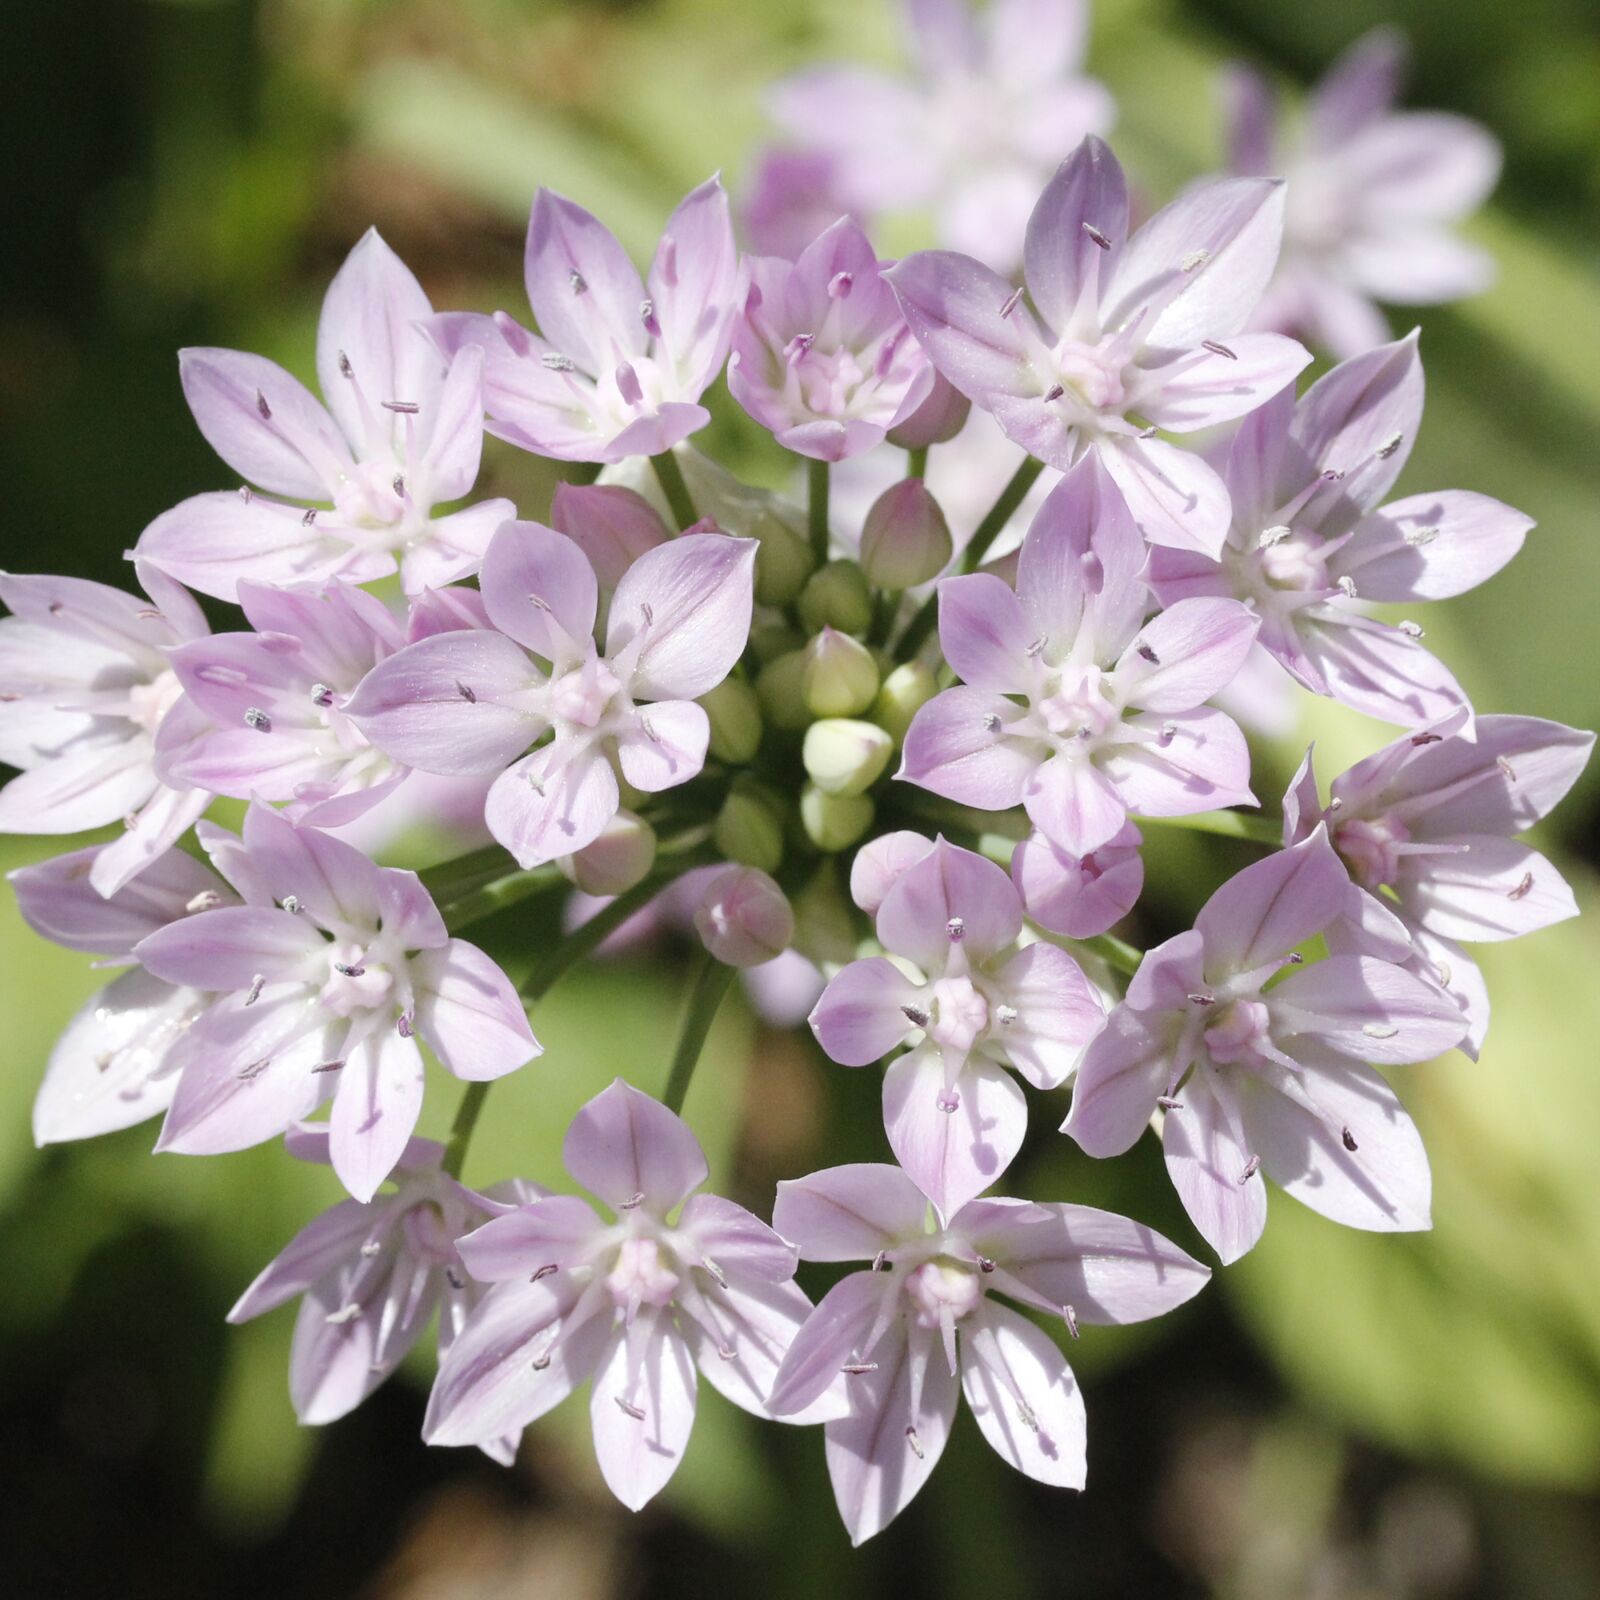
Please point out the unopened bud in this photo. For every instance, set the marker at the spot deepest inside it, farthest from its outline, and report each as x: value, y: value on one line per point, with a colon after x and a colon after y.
x: 735, y: 716
x: 905, y: 691
x: 905, y: 540
x: 781, y: 689
x: 749, y: 831
x: 618, y: 859
x: 836, y: 596
x: 613, y: 526
x: 744, y: 918
x: 936, y: 421
x: 841, y: 678
x: 783, y: 559
x: 834, y: 821
x: 845, y: 757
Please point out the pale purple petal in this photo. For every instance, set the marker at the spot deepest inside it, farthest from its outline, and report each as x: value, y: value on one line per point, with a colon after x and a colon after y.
x: 1174, y: 497
x: 950, y: 896
x: 1126, y: 1067
x: 832, y: 1336
x: 1419, y: 265
x: 1422, y: 166
x: 742, y: 1246
x: 337, y: 883
x: 696, y: 284
x: 859, y: 1018
x: 1263, y: 912
x: 1058, y: 1013
x: 1380, y: 671
x: 848, y: 1213
x: 984, y: 634
x: 1494, y: 889
x: 952, y: 1154
x: 879, y: 863
x: 623, y: 1145
x: 954, y: 306
x: 739, y: 1337
x: 555, y: 1231
x: 1193, y: 761
x: 1367, y: 1009
x: 665, y: 745
x: 324, y: 1244
x: 691, y: 600
x: 375, y: 1110
x: 86, y: 788
x: 453, y: 703
x: 1072, y: 802
x: 1197, y: 646
x: 647, y: 1368
x: 1431, y: 546
x: 540, y: 589
x: 469, y: 1014
x: 454, y: 548
x: 581, y: 285
x: 1079, y: 896
x: 1209, y: 1159
x: 230, y: 947
x: 1250, y: 111
x: 612, y: 525
x: 1359, y: 87
x: 1063, y: 262
x: 1206, y: 388
x: 539, y: 815
x: 954, y: 748
x: 1022, y: 1393
x: 1169, y: 973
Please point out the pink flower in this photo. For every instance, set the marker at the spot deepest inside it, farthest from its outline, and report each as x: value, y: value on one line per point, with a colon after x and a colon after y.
x: 618, y: 366
x: 1073, y: 705
x: 636, y: 1303
x: 1079, y: 896
x: 1124, y: 335
x: 472, y: 702
x: 399, y: 434
x: 1272, y: 1080
x: 369, y: 1277
x: 822, y: 356
x: 329, y: 973
x: 923, y: 1325
x: 1310, y: 544
x: 1372, y: 196
x: 1427, y: 829
x: 993, y: 99
x: 115, y: 1065
x: 275, y: 701
x: 964, y: 1003
x: 85, y: 688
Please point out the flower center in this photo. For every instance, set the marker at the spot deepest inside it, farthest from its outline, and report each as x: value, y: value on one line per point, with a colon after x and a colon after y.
x: 943, y: 1289
x: 641, y: 1275
x: 1078, y: 707
x: 428, y: 1235
x: 1093, y: 372
x: 958, y: 1013
x: 583, y: 696
x: 1370, y: 847
x: 1236, y: 1035
x: 368, y: 496
x: 357, y: 980
x: 152, y: 701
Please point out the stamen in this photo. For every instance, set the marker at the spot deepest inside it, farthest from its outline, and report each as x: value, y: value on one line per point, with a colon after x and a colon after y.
x: 454, y: 1278
x: 206, y: 900
x: 985, y: 1264
x: 544, y: 1272
x: 255, y: 717
x: 554, y: 361
x: 403, y: 1025
x: 399, y: 485
x: 1379, y: 1030
x: 1418, y: 740
x: 257, y: 984
x: 328, y: 1066
x: 291, y: 904
x: 345, y: 369
x: 1096, y: 236
x: 370, y: 1249
x: 1036, y: 647
x: 915, y: 1442
x: 1523, y: 889
x: 715, y: 1271
x: 405, y: 408
x: 1069, y: 1316
x: 1416, y: 537
x: 1389, y: 445
x: 346, y: 1313
x: 840, y: 285
x: 1194, y: 259
x: 1251, y: 1168
x: 263, y: 407
x: 633, y: 1202
x: 956, y: 929
x: 1509, y: 771
x: 1412, y: 630
x: 881, y: 1262
x: 466, y: 693
x: 349, y: 969
x: 649, y: 729
x: 915, y: 1015
x: 309, y: 518
x: 991, y: 722
x: 1274, y: 536
x: 1013, y: 300
x: 1167, y: 1103
x: 1219, y: 349
x: 1150, y: 432
x: 627, y: 1407
x: 856, y: 1368
x: 246, y: 493
x: 948, y: 1102
x: 1202, y: 999
x: 1054, y: 392
x: 1348, y: 1139
x: 254, y: 1070
x: 321, y: 695
x: 1005, y: 1015
x: 647, y: 311
x: 575, y: 279
x: 1347, y: 587
x: 1147, y: 654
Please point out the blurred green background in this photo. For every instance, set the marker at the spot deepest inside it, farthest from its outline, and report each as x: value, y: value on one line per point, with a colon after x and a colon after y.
x: 1341, y: 1415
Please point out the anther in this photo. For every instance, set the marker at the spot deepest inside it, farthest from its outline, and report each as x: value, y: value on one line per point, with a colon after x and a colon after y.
x: 399, y: 485
x: 255, y: 717
x: 263, y: 407
x: 915, y: 1015
x: 649, y: 729
x: 1346, y: 586
x: 370, y: 1249
x: 1097, y: 236
x: 1202, y: 999
x: 985, y: 1264
x: 1389, y: 446
x: 254, y: 1070
x: 1379, y: 1030
x: 1508, y: 771
x: 627, y: 1407
x: 344, y: 1314
x: 349, y: 969
x: 466, y: 693
x: 1005, y: 1015
x: 1416, y: 537
x: 1054, y: 392
x: 246, y: 493
x: 1013, y: 300
x: 257, y: 984
x: 1418, y: 740
x: 404, y: 1025
x: 1069, y: 1316
x: 1523, y: 889
x: 856, y: 1368
x: 1036, y: 647
x: 405, y: 408
x: 321, y: 695
x: 575, y: 279
x: 633, y: 1202
x: 1150, y: 432
x: 1147, y: 654
x: 454, y: 1278
x: 840, y: 285
x: 1348, y: 1139
x: 1412, y: 630
x: 328, y: 1066
x: 291, y: 904
x: 647, y: 311
x: 991, y: 722
x: 544, y: 1272
x: 1219, y: 349
x: 715, y: 1271
x: 880, y: 1262
x: 345, y: 369
x: 554, y: 361
x: 539, y: 1363
x: 1195, y: 258
x: 1251, y: 1168
x: 1273, y: 536
x: 647, y: 611
x: 1167, y: 1103
x: 948, y: 1102
x: 309, y: 518
x: 915, y: 1442
x: 956, y: 929
x: 206, y: 900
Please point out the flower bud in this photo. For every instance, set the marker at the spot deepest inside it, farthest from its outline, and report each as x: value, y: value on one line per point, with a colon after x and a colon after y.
x: 613, y: 863
x: 613, y: 526
x: 834, y: 821
x: 744, y: 918
x: 735, y: 716
x: 836, y: 596
x: 845, y: 757
x: 905, y: 539
x: 781, y: 689
x: 770, y: 640
x: 841, y: 678
x: 783, y: 559
x: 905, y: 691
x: 937, y: 420
x: 749, y: 831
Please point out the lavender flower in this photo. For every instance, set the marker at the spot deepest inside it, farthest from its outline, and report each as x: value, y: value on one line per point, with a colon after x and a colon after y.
x: 1125, y: 335
x: 472, y: 702
x: 923, y: 1325
x: 637, y: 1302
x: 85, y: 688
x: 1272, y: 1080
x: 276, y: 699
x: 1310, y: 542
x: 618, y: 366
x: 369, y: 1277
x: 822, y: 356
x: 399, y: 435
x: 1427, y: 828
x: 964, y: 1003
x: 330, y: 972
x: 1373, y: 194
x: 1079, y: 896
x: 992, y: 102
x: 114, y: 1066
x: 1072, y: 705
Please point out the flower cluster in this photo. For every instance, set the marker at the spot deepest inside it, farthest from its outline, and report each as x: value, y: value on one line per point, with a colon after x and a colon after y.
x: 895, y: 757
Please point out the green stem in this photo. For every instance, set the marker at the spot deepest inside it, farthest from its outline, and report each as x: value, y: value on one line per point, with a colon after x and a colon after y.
x: 455, y: 1153
x: 917, y: 462
x: 817, y: 508
x: 710, y: 985
x: 670, y: 476
x: 984, y: 535
x: 497, y: 894
x: 1117, y: 954
x: 1227, y: 824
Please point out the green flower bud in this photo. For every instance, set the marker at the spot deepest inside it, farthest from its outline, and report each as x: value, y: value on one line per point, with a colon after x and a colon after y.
x: 783, y: 559
x: 781, y: 689
x: 749, y: 831
x: 735, y: 716
x: 835, y: 821
x: 617, y: 860
x: 905, y: 539
x: 841, y: 676
x: 908, y: 688
x: 845, y: 757
x: 836, y: 596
